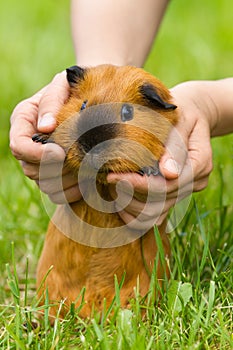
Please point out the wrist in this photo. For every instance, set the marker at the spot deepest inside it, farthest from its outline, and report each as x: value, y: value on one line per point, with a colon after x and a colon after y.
x: 195, y: 101
x: 221, y: 93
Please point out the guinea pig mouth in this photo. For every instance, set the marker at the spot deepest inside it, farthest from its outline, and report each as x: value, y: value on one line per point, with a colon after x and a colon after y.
x: 103, y: 155
x: 102, y: 164
x: 94, y: 160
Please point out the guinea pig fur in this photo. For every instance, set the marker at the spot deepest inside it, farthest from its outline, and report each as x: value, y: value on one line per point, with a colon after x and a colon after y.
x: 116, y: 119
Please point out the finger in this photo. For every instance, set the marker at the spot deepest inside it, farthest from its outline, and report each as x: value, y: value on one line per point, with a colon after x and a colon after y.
x: 134, y: 223
x: 201, y: 184
x: 28, y: 108
x: 198, y: 165
x: 23, y: 148
x: 157, y: 191
x: 162, y: 217
x: 30, y: 170
x: 50, y: 170
x: 51, y: 101
x: 143, y: 185
x: 70, y: 195
x: 150, y: 215
x: 27, y: 150
x: 183, y: 185
x: 176, y: 152
x: 146, y: 213
x: 23, y: 126
x: 200, y: 153
x: 57, y: 184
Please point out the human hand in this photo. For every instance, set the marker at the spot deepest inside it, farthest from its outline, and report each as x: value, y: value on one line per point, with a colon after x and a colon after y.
x: 185, y: 165
x: 34, y: 114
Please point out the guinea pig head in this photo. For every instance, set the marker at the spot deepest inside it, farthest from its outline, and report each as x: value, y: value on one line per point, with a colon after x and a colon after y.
x: 116, y: 119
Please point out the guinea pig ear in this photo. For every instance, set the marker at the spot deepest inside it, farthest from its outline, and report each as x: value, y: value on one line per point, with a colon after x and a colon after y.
x: 74, y: 74
x: 150, y: 94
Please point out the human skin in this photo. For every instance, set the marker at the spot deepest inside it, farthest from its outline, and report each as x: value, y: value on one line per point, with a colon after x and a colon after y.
x: 38, y: 112
x: 205, y: 110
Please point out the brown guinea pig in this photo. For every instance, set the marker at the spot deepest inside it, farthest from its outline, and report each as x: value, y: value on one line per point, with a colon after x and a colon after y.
x: 116, y: 119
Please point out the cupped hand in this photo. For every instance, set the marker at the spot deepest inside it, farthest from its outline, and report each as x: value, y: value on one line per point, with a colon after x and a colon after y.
x: 37, y: 114
x: 184, y: 167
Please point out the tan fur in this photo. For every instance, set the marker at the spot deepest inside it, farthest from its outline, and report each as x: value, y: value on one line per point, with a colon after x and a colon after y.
x: 76, y: 265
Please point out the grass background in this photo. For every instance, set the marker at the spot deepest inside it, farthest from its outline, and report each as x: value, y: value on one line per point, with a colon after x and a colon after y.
x: 195, y: 42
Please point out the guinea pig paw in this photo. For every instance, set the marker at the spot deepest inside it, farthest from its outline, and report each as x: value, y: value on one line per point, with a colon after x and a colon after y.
x: 149, y: 170
x: 43, y: 138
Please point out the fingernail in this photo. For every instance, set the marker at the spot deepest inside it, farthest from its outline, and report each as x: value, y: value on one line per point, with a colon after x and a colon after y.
x: 172, y: 166
x: 46, y: 120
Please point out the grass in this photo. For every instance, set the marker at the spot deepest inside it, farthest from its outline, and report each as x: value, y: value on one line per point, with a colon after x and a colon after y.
x: 196, y: 306
x: 195, y: 309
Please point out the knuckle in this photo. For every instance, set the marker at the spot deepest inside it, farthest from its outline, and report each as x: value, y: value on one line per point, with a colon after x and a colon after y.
x: 59, y: 76
x: 161, y: 219
x: 21, y: 107
x: 201, y: 184
x: 203, y: 165
x: 137, y: 225
x: 209, y: 159
x: 126, y: 217
x: 151, y: 212
x: 32, y: 174
x: 206, y: 169
x: 30, y: 170
x: 43, y: 185
x: 57, y: 198
x: 49, y: 186
x: 148, y: 213
x: 14, y: 149
x: 21, y: 104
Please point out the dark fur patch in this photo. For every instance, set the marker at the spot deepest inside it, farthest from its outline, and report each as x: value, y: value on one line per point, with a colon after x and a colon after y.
x: 150, y: 94
x: 74, y: 74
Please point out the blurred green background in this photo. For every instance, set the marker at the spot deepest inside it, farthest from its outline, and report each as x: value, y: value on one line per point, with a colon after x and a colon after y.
x: 195, y: 42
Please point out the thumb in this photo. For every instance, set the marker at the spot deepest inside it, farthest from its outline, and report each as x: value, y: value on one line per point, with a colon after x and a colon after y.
x: 175, y: 155
x: 52, y: 99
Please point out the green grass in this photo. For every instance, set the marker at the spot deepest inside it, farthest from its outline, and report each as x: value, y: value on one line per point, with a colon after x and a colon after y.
x: 196, y: 307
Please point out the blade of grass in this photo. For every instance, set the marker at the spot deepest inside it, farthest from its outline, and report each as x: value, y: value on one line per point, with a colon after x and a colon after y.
x: 210, y: 302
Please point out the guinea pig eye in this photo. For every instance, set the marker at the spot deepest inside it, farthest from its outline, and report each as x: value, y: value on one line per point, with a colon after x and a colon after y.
x: 126, y: 113
x: 84, y: 105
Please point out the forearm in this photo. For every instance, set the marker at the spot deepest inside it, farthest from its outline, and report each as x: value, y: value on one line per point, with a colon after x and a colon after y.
x: 221, y: 93
x: 118, y: 32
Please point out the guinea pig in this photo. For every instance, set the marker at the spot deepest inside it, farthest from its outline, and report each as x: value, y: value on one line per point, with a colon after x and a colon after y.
x: 116, y: 119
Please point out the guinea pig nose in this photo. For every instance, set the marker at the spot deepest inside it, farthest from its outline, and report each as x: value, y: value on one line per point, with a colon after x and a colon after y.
x: 126, y: 112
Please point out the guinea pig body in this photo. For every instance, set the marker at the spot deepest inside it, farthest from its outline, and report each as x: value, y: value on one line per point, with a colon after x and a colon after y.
x: 116, y: 119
